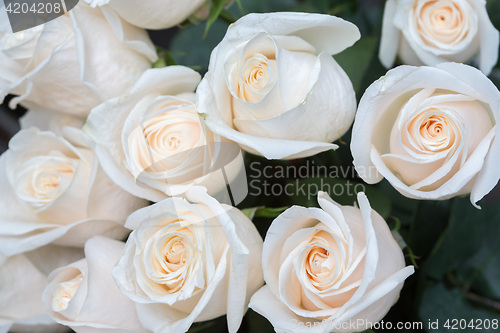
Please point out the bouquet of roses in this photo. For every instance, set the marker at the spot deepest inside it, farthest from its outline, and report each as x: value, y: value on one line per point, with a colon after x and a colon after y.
x: 142, y: 196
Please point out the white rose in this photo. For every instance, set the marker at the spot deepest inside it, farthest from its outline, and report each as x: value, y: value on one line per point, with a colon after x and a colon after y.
x: 157, y: 146
x: 83, y: 295
x: 273, y: 87
x: 330, y: 268
x: 74, y: 62
x: 53, y: 191
x: 22, y: 281
x: 194, y: 260
x: 152, y: 14
x: 430, y: 132
x: 430, y: 32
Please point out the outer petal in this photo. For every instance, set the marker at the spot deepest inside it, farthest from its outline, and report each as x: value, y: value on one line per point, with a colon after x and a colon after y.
x: 155, y: 14
x: 316, y: 29
x: 389, y: 41
x: 104, y: 308
x: 282, y: 318
x: 300, y: 123
x: 489, y: 38
x: 20, y: 297
x: 270, y: 148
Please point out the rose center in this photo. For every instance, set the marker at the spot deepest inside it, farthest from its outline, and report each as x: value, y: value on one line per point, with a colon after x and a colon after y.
x: 174, y: 141
x: 433, y: 131
x: 65, y: 292
x: 320, y: 263
x: 176, y: 253
x: 444, y: 23
x: 255, y: 72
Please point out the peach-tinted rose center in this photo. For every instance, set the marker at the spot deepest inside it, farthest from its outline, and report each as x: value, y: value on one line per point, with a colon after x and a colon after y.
x: 154, y: 145
x: 432, y: 131
x: 172, y: 256
x: 65, y: 292
x: 42, y: 179
x: 256, y: 77
x: 319, y: 263
x: 175, y: 253
x: 442, y: 22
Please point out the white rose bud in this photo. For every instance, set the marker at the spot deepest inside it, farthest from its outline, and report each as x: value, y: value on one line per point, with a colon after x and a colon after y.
x: 23, y: 278
x: 430, y: 32
x: 431, y: 132
x: 152, y: 14
x: 53, y: 191
x: 84, y: 296
x: 157, y: 146
x: 334, y: 268
x: 193, y: 260
x: 273, y: 87
x: 74, y: 62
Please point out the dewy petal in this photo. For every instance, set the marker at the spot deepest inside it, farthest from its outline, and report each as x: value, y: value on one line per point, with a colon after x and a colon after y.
x: 300, y: 122
x: 214, y: 99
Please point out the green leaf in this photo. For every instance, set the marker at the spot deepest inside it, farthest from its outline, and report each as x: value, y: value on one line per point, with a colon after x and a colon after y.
x: 470, y: 249
x: 355, y: 60
x: 165, y: 58
x: 343, y: 191
x: 194, y: 48
x: 215, y: 11
x: 263, y: 211
x: 441, y: 305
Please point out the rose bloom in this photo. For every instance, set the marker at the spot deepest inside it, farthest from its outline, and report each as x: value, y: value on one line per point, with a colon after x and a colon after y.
x: 157, y: 146
x: 83, y: 295
x: 74, y: 62
x: 23, y: 279
x: 430, y: 132
x: 429, y: 32
x: 333, y: 268
x: 190, y: 261
x: 273, y: 87
x: 152, y: 14
x: 53, y: 191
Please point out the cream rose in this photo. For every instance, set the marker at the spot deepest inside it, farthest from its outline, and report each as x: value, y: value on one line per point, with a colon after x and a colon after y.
x: 430, y: 32
x: 273, y: 87
x: 83, y: 295
x: 53, y: 191
x: 157, y: 146
x: 23, y: 279
x: 63, y: 66
x: 334, y: 268
x: 431, y: 132
x: 193, y: 260
x: 152, y: 14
